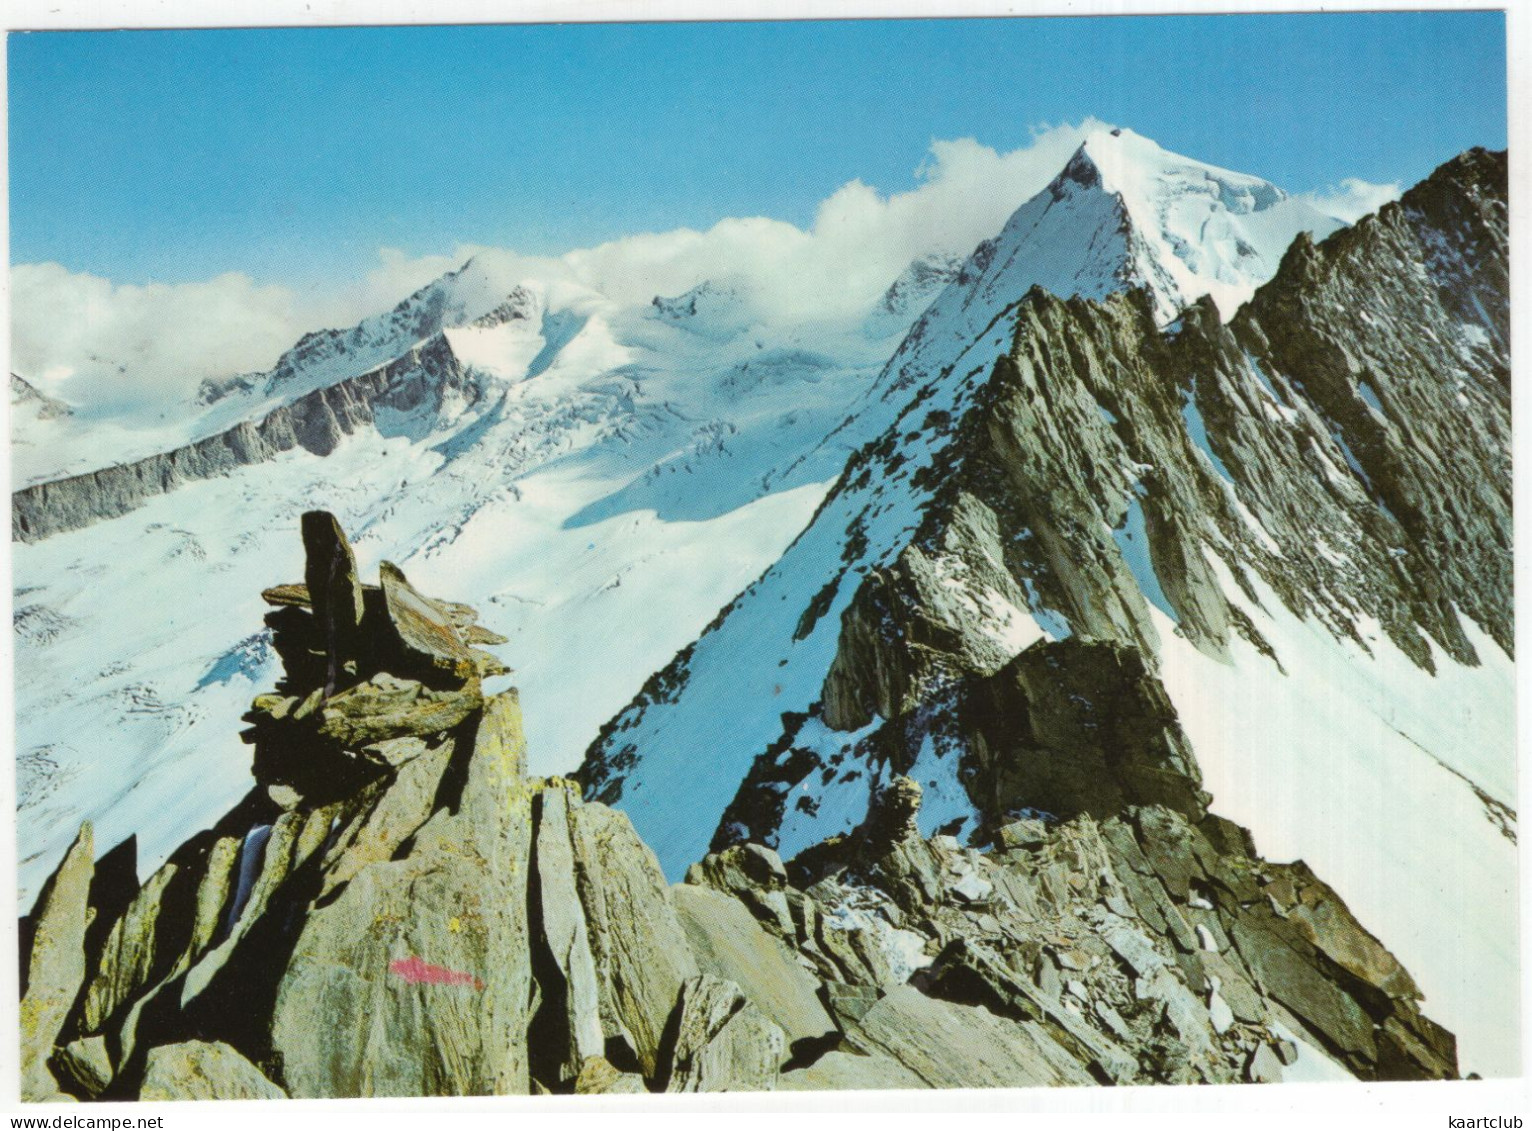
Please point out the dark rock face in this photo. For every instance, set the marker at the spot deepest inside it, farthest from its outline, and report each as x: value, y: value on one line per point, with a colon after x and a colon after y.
x: 315, y: 421
x: 1074, y: 727
x: 335, y: 596
x: 1371, y: 323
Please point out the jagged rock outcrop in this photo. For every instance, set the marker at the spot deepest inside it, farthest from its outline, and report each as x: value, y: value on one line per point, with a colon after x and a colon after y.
x: 1146, y: 947
x: 416, y: 381
x: 393, y: 865
x: 55, y: 966
x: 398, y: 909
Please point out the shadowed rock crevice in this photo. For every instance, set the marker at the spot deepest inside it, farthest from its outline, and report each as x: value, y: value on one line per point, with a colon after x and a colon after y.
x: 1073, y: 727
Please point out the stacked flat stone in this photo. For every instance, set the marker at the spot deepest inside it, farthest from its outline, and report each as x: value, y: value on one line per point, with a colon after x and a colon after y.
x: 371, y: 671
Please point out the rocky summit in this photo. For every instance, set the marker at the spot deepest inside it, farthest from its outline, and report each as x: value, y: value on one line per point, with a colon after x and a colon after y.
x: 397, y: 908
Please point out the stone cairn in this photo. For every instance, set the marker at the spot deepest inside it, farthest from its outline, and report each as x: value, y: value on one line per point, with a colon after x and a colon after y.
x: 371, y: 671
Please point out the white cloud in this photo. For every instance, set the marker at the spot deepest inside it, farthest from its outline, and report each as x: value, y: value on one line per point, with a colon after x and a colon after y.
x: 1351, y: 199
x: 124, y: 347
x: 860, y: 239
x: 121, y: 348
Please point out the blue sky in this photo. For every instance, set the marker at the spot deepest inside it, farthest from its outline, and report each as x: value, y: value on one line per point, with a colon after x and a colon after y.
x: 296, y: 154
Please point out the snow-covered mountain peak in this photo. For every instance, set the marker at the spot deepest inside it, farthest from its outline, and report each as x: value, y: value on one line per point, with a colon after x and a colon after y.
x: 522, y: 304
x: 27, y: 397
x: 1184, y: 228
x: 471, y: 292
x: 715, y: 309
x: 1122, y: 213
x: 1141, y: 170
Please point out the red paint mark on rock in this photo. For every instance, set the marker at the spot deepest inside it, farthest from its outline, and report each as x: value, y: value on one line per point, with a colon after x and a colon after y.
x: 416, y: 971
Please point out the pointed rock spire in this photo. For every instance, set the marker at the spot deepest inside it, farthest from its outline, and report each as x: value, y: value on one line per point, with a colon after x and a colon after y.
x: 56, y: 965
x: 335, y: 594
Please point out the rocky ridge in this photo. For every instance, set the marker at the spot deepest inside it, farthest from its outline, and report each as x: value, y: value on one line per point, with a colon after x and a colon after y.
x: 1301, y: 451
x: 419, y: 381
x: 1339, y: 449
x: 1291, y: 529
x: 466, y: 929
